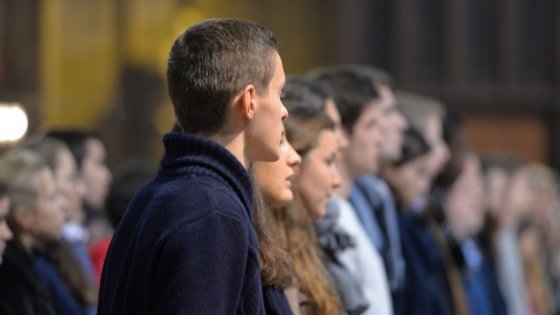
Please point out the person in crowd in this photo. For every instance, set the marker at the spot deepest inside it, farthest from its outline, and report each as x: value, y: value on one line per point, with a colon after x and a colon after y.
x: 70, y: 254
x: 186, y: 243
x: 409, y: 179
x: 433, y: 284
x: 497, y: 169
x: 274, y: 190
x: 514, y: 209
x: 358, y: 103
x: 89, y: 154
x: 371, y: 196
x: 408, y: 176
x: 72, y: 191
x: 460, y: 187
x: 535, y: 235
x: 503, y: 175
x: 308, y: 99
x: 31, y: 282
x: 536, y: 280
x: 314, y: 139
x: 5, y: 231
x: 464, y: 208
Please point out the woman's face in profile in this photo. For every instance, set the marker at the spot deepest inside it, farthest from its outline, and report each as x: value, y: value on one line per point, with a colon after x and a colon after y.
x: 318, y: 176
x: 275, y: 178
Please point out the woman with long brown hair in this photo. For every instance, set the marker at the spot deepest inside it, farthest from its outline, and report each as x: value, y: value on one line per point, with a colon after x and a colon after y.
x: 273, y: 190
x: 313, y: 137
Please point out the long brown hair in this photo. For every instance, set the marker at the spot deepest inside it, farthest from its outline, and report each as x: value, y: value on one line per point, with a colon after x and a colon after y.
x: 274, y: 261
x: 67, y: 264
x: 295, y: 229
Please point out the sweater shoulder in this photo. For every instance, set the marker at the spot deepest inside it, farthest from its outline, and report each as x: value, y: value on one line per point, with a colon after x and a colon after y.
x: 193, y: 197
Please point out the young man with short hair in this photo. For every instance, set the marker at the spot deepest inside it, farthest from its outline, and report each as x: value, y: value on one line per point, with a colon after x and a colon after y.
x: 186, y: 244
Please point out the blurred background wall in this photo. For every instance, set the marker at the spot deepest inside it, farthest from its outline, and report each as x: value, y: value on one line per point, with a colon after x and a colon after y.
x: 101, y: 64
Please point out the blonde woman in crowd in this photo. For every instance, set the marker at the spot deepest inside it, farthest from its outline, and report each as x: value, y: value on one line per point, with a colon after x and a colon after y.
x: 36, y: 220
x: 72, y: 191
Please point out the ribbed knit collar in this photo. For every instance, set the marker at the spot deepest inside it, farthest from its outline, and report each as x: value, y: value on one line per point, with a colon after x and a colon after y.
x: 191, y: 154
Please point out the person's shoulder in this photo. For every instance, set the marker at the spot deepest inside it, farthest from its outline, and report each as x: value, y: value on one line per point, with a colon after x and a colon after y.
x: 196, y: 192
x: 192, y: 186
x: 210, y: 225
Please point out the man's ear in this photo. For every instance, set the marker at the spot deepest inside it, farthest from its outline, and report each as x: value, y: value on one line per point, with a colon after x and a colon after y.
x: 244, y: 102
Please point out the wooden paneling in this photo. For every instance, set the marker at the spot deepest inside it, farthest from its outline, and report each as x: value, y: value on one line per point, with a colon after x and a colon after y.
x: 525, y: 136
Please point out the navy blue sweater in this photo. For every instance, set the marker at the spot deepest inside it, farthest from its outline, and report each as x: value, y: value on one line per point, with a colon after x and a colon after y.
x: 427, y: 289
x: 186, y: 244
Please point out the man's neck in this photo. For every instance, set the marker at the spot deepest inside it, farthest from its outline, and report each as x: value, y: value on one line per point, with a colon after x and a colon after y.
x: 234, y: 143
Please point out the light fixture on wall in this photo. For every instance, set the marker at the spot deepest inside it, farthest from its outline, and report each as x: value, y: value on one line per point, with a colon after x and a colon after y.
x: 13, y: 122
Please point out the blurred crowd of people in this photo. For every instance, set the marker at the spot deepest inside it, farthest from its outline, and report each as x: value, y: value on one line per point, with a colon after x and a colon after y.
x: 375, y: 204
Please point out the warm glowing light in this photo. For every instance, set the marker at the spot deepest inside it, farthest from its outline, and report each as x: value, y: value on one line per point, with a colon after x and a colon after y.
x: 13, y: 122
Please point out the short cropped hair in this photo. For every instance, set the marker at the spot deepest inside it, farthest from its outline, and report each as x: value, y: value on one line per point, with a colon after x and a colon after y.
x: 210, y: 62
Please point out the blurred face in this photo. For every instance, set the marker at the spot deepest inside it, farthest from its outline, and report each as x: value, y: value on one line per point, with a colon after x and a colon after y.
x: 464, y: 201
x: 70, y: 186
x: 543, y: 202
x: 392, y: 125
x: 264, y: 133
x: 439, y: 153
x: 364, y: 146
x: 332, y: 112
x: 5, y: 232
x: 275, y: 178
x: 47, y: 215
x: 519, y: 195
x: 529, y: 243
x: 318, y: 175
x: 496, y: 190
x: 95, y: 174
x: 411, y: 180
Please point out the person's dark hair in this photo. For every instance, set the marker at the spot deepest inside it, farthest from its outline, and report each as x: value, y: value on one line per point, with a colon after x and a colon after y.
x: 414, y: 146
x: 210, y: 62
x: 127, y: 181
x: 304, y: 97
x: 76, y: 141
x: 509, y: 162
x: 454, y: 136
x: 3, y: 189
x: 352, y: 92
x: 376, y: 76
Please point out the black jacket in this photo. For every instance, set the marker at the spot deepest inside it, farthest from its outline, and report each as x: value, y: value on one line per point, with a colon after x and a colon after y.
x: 22, y: 291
